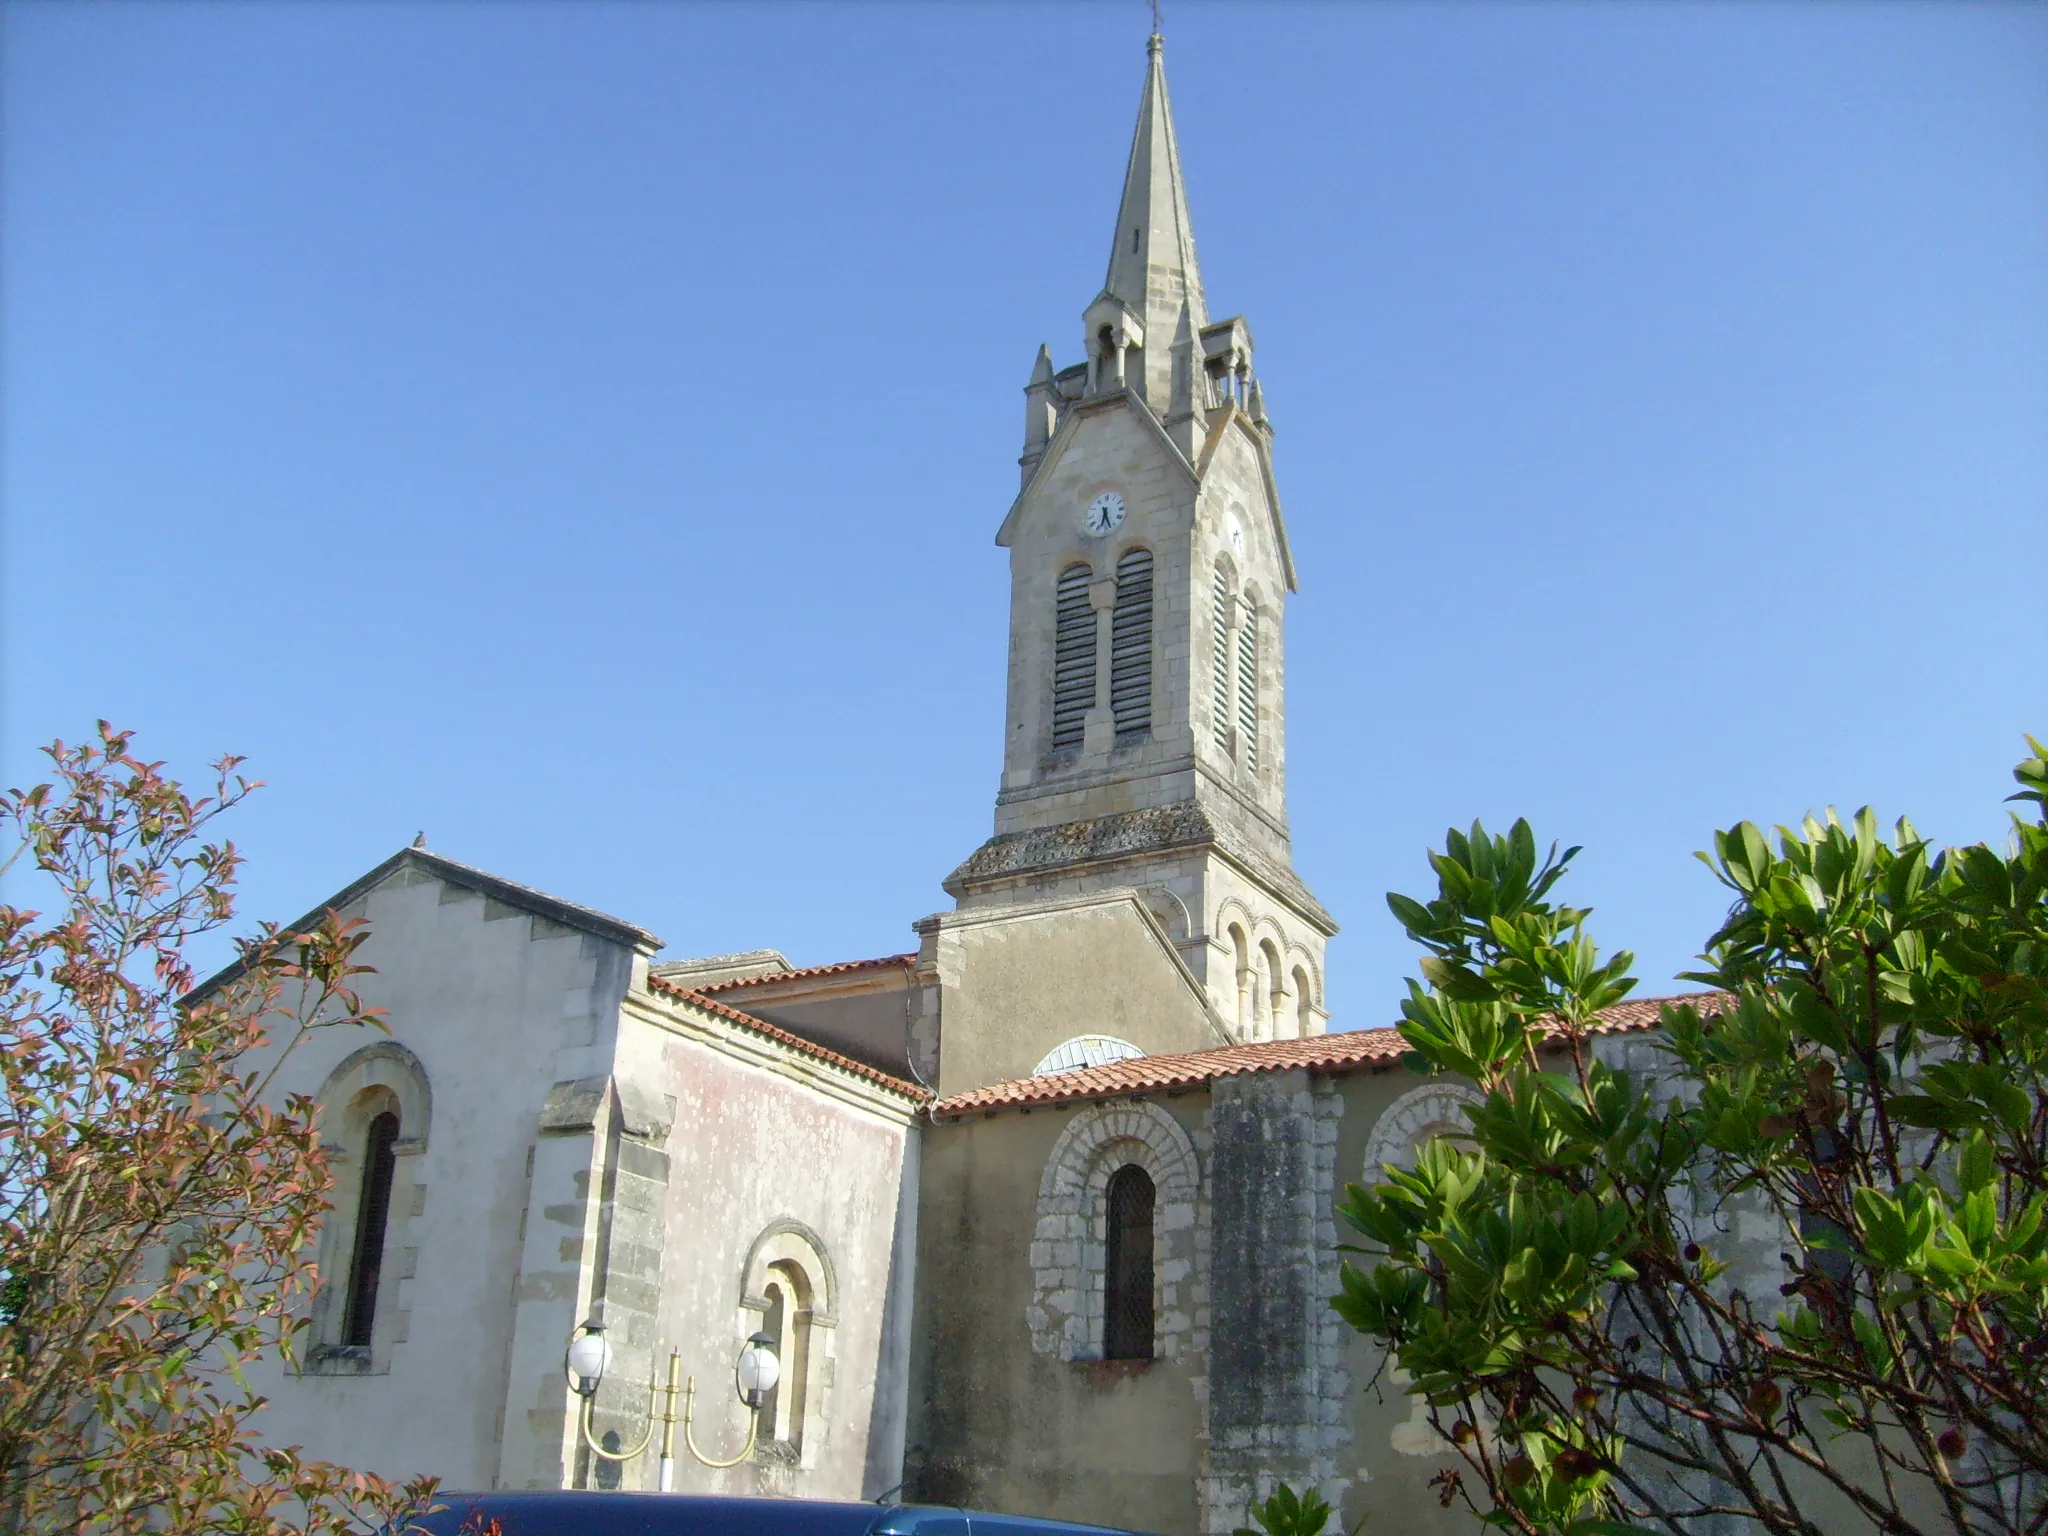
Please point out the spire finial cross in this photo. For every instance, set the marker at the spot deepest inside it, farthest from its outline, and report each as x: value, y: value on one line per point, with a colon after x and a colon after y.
x: 1155, y: 17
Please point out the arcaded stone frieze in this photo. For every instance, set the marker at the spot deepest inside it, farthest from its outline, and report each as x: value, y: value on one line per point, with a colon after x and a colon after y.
x: 1181, y: 826
x: 1155, y: 830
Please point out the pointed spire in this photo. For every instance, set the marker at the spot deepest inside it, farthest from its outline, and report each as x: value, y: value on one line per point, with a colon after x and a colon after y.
x: 1041, y: 411
x: 1152, y: 268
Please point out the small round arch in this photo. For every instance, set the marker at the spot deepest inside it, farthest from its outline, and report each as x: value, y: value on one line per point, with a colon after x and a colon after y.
x: 1171, y: 911
x: 788, y: 1240
x: 383, y: 1065
x: 1413, y: 1120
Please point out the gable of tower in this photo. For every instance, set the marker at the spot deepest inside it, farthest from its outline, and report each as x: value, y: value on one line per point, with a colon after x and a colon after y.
x: 1114, y: 444
x: 1236, y: 467
x: 1016, y: 982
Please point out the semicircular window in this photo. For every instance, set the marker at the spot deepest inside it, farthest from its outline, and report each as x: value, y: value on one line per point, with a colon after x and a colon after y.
x: 1085, y: 1051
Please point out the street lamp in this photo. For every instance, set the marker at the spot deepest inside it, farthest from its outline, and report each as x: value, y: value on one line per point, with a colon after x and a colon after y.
x: 755, y: 1374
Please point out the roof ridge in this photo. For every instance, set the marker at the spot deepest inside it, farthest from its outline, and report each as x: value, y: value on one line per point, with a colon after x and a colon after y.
x: 529, y: 899
x: 804, y: 972
x: 913, y: 1091
x: 1187, y: 1069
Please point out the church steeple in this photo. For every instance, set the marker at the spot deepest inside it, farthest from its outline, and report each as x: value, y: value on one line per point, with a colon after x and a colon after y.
x: 1145, y: 734
x: 1152, y: 267
x: 1152, y: 264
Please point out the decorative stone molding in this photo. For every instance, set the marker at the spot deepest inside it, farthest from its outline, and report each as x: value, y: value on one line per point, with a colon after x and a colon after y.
x: 1436, y: 1109
x: 1171, y: 911
x: 790, y: 1240
x: 1182, y: 825
x: 1071, y: 1241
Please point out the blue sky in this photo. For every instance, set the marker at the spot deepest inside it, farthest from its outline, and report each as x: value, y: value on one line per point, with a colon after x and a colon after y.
x: 580, y: 431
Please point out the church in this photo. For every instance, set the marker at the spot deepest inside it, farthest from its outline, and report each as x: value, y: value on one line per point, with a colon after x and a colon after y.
x: 1036, y: 1215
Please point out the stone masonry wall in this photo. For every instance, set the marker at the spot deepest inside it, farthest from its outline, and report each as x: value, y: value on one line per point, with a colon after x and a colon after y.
x: 1276, y: 1387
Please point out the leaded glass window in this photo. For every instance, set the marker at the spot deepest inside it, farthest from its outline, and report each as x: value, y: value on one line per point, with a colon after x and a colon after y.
x: 373, y: 1214
x: 1127, y: 1266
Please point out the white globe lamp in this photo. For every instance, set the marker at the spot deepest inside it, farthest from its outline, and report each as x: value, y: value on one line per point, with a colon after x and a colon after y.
x: 757, y: 1371
x: 589, y: 1357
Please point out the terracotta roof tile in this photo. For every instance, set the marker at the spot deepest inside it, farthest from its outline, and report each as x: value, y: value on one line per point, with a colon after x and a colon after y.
x: 796, y: 1042
x: 804, y: 973
x: 1348, y: 1051
x: 1643, y: 1012
x: 1155, y: 1074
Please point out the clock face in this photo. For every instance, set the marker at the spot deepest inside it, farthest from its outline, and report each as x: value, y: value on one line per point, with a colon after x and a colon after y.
x: 1103, y: 515
x: 1234, y: 531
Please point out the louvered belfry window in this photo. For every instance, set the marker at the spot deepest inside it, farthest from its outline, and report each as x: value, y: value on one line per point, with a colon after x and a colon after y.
x: 1220, y: 663
x: 1073, y: 658
x: 1248, y: 687
x: 373, y: 1213
x: 1130, y: 646
x: 1127, y: 1267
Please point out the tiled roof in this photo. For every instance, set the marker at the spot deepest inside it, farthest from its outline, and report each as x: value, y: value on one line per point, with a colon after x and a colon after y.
x: 784, y: 1037
x: 1157, y: 1074
x: 1643, y: 1012
x: 1351, y: 1051
x: 805, y: 973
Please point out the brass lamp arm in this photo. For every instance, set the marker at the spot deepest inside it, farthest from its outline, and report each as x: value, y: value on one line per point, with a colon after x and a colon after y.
x: 589, y: 1408
x: 690, y: 1440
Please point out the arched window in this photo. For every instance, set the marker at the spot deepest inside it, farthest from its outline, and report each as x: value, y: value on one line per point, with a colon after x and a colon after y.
x: 1248, y: 686
x: 1241, y: 956
x: 1085, y: 1051
x: 1304, y: 1004
x: 1127, y: 1266
x: 788, y: 1322
x: 1073, y: 658
x: 373, y: 1214
x: 1130, y: 646
x: 788, y: 1284
x: 376, y: 1110
x: 1272, y: 980
x: 1151, y: 1223
x: 1219, y: 662
x: 774, y: 1319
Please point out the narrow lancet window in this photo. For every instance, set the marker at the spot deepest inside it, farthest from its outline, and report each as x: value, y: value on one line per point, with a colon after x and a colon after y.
x: 1073, y: 660
x: 1127, y: 1266
x: 1219, y: 663
x: 1248, y: 687
x: 1130, y: 646
x: 373, y: 1214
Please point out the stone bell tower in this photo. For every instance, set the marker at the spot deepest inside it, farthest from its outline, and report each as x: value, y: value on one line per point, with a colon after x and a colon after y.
x: 1149, y: 571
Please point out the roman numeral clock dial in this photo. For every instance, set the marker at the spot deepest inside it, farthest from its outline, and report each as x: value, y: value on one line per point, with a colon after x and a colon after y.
x: 1104, y: 515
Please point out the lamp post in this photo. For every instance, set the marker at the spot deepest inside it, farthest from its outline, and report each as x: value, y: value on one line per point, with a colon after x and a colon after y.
x: 755, y: 1374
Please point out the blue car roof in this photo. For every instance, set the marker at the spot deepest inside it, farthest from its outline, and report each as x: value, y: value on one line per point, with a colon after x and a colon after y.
x: 591, y: 1513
